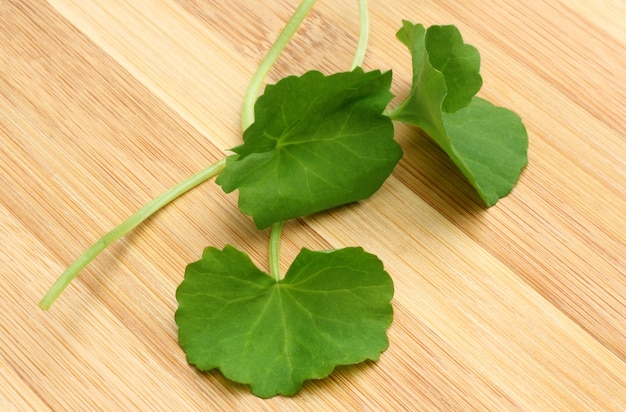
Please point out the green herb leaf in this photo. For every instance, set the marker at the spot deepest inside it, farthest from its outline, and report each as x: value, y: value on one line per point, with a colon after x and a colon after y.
x: 317, y: 142
x: 487, y: 143
x: 442, y: 48
x: 332, y: 308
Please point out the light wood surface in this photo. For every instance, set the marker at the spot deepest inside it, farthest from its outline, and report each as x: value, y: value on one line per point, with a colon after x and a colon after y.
x: 105, y: 104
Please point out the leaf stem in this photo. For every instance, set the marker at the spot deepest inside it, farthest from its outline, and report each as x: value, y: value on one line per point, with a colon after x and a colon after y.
x: 364, y: 30
x: 247, y: 115
x: 393, y: 114
x: 277, y: 229
x: 132, y: 222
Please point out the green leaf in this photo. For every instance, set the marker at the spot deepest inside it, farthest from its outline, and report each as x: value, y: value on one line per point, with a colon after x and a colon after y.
x: 442, y: 48
x: 332, y: 308
x: 488, y: 144
x: 317, y: 142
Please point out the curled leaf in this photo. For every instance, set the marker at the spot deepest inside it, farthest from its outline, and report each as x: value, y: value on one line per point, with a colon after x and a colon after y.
x: 488, y: 144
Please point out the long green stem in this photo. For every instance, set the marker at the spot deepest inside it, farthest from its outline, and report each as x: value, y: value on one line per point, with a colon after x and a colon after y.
x: 247, y: 112
x: 247, y: 115
x: 132, y: 222
x: 363, y: 34
x: 277, y: 229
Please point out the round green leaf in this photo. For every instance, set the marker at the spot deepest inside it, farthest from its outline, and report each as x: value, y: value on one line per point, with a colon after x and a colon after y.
x: 317, y: 142
x: 332, y: 308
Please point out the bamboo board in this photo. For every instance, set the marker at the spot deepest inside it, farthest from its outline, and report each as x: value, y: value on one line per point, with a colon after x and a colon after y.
x: 105, y: 104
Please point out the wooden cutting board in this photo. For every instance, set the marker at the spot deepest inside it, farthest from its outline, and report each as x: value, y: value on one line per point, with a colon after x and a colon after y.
x: 106, y: 104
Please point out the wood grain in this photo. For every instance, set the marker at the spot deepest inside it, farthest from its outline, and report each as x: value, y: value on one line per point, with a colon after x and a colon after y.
x: 105, y: 104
